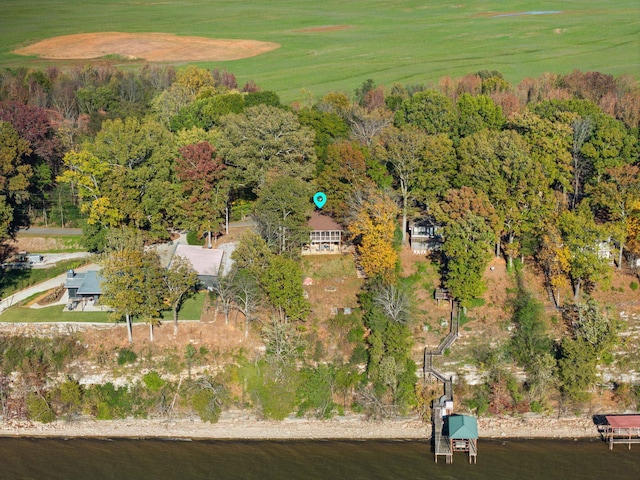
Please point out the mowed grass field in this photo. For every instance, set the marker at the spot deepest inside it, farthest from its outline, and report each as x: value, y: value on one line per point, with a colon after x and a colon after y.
x: 405, y: 41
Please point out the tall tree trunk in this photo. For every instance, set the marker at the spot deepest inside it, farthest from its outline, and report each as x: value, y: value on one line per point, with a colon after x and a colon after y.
x: 175, y: 319
x: 129, y: 327
x: 620, y: 256
x: 150, y: 332
x: 405, y: 200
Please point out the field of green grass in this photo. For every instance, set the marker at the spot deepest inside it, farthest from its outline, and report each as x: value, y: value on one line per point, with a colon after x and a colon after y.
x: 408, y: 41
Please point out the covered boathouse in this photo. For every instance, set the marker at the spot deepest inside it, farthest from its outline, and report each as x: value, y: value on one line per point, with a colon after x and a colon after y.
x: 458, y: 433
x: 624, y: 429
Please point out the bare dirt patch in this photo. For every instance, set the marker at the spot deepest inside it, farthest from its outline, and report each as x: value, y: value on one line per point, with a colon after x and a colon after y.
x: 153, y: 47
x: 326, y: 28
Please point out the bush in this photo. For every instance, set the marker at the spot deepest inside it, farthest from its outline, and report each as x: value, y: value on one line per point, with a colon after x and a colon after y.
x: 126, y: 356
x: 633, y: 286
x: 193, y: 239
x: 38, y: 409
x: 315, y: 392
x: 108, y: 402
x: 153, y: 381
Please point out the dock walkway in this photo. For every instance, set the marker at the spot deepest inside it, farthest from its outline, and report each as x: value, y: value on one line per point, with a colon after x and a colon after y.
x: 441, y: 443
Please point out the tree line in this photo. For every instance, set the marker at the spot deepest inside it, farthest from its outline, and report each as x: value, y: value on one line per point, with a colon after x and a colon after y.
x: 546, y: 170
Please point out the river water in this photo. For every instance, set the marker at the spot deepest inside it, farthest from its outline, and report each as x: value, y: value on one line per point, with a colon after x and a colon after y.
x: 27, y: 458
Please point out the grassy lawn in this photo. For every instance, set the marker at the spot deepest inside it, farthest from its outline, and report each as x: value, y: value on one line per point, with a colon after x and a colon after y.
x: 191, y: 310
x: 408, y: 41
x: 50, y: 314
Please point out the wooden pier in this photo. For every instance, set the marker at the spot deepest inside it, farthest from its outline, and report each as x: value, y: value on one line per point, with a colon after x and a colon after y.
x: 451, y: 433
x: 441, y: 444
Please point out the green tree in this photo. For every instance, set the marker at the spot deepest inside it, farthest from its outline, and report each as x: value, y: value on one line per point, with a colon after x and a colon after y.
x: 282, y: 211
x: 125, y: 175
x: 206, y: 112
x: 469, y: 223
x: 403, y: 151
x: 530, y: 339
x: 577, y: 368
x: 328, y: 127
x: 179, y: 279
x: 252, y: 254
x: 344, y: 171
x: 266, y: 139
x: 477, y: 113
x: 582, y: 238
x: 132, y: 281
x: 499, y: 164
x: 617, y: 194
x: 282, y: 283
x: 437, y: 170
x: 315, y: 392
x: 15, y: 178
x: 550, y: 144
x: 430, y: 111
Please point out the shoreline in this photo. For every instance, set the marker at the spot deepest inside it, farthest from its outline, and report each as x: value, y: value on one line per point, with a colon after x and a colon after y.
x: 239, y: 427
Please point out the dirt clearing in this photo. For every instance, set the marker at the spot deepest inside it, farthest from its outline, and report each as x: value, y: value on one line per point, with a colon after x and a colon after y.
x: 153, y: 47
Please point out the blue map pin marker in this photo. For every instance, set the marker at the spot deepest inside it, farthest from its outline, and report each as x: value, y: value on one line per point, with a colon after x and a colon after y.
x: 320, y: 199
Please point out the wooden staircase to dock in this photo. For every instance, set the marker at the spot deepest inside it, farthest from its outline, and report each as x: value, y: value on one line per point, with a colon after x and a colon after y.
x: 441, y: 443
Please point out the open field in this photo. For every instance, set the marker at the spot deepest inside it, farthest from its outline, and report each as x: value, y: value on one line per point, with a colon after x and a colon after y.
x: 337, y: 45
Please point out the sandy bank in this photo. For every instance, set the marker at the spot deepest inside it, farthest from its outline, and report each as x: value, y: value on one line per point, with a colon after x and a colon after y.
x: 239, y: 427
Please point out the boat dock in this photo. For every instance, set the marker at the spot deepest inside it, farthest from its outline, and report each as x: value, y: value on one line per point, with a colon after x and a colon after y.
x: 441, y: 444
x: 621, y: 429
x: 451, y: 433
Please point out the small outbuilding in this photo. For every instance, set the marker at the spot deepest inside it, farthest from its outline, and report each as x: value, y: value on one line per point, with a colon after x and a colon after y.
x: 83, y: 288
x: 462, y: 431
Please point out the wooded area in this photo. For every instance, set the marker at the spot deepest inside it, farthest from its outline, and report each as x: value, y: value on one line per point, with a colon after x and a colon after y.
x: 546, y: 171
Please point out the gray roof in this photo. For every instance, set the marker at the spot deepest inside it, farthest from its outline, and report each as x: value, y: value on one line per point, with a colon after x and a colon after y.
x: 91, y: 284
x: 87, y: 283
x: 205, y: 261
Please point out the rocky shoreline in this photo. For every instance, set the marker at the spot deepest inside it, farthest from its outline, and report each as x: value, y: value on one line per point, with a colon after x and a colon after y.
x: 235, y: 426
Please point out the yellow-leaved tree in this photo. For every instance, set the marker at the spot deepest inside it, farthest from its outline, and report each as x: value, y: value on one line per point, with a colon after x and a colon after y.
x: 373, y: 219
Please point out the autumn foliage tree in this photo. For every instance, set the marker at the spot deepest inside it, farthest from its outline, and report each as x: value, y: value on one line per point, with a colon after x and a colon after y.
x: 373, y: 226
x: 200, y: 172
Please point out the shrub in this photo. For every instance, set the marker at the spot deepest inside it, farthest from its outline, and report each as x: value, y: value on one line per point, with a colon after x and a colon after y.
x: 126, y: 356
x: 537, y: 407
x: 633, y: 286
x: 38, y: 409
x: 153, y: 381
x: 193, y: 239
x: 315, y: 392
x: 108, y: 402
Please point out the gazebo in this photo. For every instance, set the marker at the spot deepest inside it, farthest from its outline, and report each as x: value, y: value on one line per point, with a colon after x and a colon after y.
x: 463, y: 435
